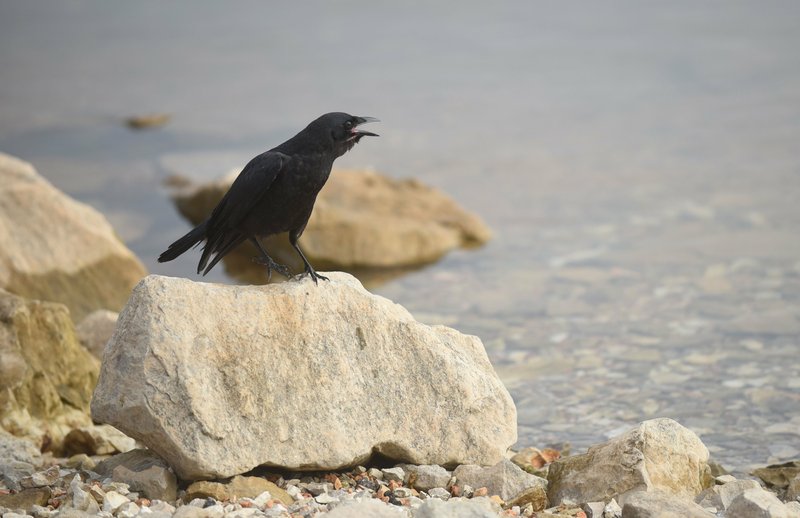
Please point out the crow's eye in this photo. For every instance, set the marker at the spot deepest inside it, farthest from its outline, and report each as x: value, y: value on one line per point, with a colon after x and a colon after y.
x: 348, y: 125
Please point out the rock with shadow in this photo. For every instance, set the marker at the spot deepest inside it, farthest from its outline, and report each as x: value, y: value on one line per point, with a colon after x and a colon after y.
x: 220, y: 379
x: 363, y: 222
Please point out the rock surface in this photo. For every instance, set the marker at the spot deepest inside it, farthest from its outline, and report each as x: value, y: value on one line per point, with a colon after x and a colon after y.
x: 96, y: 329
x: 757, y: 503
x: 366, y: 509
x: 58, y: 249
x: 14, y: 449
x: 658, y: 454
x: 97, y: 440
x: 426, y: 477
x: 220, y: 379
x: 504, y: 479
x: 142, y: 471
x: 654, y: 504
x: 721, y: 496
x: 46, y: 376
x: 364, y: 219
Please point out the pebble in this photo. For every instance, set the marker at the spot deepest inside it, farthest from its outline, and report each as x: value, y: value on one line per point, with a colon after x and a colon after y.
x: 440, y: 493
x: 396, y: 474
x: 113, y: 500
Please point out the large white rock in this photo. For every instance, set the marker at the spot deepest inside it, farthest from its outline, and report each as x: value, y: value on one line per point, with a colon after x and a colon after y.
x: 659, y: 454
x: 219, y: 379
x: 58, y: 249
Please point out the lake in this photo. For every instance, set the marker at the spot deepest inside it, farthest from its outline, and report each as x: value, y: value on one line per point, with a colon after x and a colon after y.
x: 639, y: 164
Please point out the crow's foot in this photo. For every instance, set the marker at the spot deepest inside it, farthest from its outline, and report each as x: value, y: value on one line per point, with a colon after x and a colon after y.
x: 272, y: 265
x: 313, y: 274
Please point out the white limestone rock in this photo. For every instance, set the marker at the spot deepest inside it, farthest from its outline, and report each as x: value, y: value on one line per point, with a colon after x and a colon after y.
x: 220, y: 379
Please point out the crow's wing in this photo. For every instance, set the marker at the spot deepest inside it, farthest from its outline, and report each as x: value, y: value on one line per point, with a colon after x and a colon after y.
x: 247, y: 190
x: 222, y: 234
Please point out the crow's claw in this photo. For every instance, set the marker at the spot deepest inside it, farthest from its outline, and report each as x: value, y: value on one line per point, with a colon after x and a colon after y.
x: 313, y: 274
x: 272, y: 265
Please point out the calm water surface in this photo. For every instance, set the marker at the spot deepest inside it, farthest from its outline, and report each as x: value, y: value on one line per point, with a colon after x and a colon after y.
x: 639, y: 164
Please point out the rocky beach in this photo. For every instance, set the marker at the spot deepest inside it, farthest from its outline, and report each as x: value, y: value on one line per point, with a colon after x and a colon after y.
x: 289, y: 400
x: 563, y: 282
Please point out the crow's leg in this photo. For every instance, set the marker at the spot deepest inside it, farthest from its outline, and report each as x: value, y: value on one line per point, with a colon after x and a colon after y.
x: 293, y: 237
x: 267, y: 261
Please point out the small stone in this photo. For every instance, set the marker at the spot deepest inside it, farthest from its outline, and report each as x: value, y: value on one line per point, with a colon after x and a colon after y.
x: 402, y: 492
x: 426, y: 477
x: 375, y: 473
x: 779, y: 475
x: 612, y: 510
x: 143, y: 471
x: 82, y: 500
x: 39, y: 511
x: 481, y: 491
x: 721, y: 496
x: 593, y: 509
x: 325, y: 498
x: 127, y: 510
x: 158, y: 506
x: 317, y: 488
x: 652, y: 504
x: 26, y: 498
x: 190, y: 511
x: 504, y: 479
x: 397, y: 474
x: 367, y: 508
x: 456, y: 508
x: 439, y: 492
x: 120, y: 487
x: 536, y: 496
x: 113, y: 500
x: 261, y: 500
x: 41, y: 478
x: 80, y: 461
x: 724, y: 479
x: 757, y: 503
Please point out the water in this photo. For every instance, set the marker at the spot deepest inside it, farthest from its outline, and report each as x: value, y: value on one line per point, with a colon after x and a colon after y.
x: 638, y: 162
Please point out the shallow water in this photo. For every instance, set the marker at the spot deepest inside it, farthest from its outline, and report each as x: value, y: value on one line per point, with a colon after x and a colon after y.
x: 638, y: 163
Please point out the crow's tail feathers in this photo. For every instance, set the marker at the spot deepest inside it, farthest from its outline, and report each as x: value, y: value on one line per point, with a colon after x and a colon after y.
x: 192, y: 238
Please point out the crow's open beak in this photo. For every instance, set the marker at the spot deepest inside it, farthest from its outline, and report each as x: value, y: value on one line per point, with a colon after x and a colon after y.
x: 365, y: 120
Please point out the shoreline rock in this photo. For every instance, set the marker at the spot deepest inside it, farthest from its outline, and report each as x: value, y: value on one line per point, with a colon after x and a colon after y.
x: 220, y: 379
x: 362, y: 221
x: 58, y: 249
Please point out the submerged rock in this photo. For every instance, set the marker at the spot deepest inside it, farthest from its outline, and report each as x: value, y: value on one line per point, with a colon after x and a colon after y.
x: 659, y: 454
x: 220, y: 379
x: 57, y: 249
x: 362, y: 219
x: 46, y: 376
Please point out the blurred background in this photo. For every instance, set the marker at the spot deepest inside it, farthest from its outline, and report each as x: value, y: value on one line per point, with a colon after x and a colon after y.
x: 638, y: 163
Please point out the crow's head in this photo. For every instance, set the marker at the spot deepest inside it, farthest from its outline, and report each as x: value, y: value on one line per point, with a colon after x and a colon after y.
x: 340, y: 130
